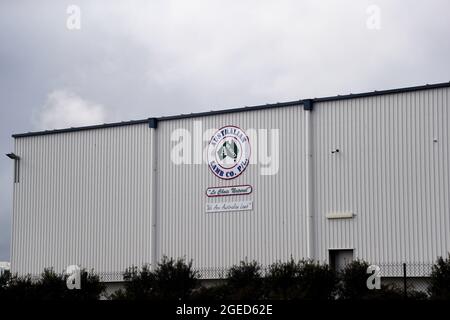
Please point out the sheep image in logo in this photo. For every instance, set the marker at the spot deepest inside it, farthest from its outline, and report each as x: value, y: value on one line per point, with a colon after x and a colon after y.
x: 228, y: 152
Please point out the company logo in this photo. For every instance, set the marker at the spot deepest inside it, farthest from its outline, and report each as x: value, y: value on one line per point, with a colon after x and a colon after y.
x: 228, y: 152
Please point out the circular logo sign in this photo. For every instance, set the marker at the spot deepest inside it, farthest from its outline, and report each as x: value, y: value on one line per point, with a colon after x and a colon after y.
x: 228, y: 152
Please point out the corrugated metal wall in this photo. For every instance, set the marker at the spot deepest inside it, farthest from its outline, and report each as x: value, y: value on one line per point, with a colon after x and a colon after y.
x: 83, y: 198
x: 275, y: 229
x: 392, y: 171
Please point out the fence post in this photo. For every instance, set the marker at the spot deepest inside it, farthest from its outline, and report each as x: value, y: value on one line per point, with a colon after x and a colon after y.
x: 404, y: 281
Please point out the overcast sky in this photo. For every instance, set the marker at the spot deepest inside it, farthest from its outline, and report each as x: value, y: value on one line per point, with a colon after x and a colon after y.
x: 137, y: 59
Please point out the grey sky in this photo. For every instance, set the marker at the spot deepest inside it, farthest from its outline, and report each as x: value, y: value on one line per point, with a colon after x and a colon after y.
x: 136, y: 59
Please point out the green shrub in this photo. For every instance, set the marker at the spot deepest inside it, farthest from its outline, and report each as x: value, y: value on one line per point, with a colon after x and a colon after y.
x: 174, y: 279
x: 288, y: 280
x: 440, y: 279
x: 5, y: 278
x: 353, y: 285
x: 353, y: 280
x: 53, y: 286
x: 138, y: 284
x: 91, y: 287
x: 171, y: 280
x: 393, y: 292
x: 316, y: 281
x: 416, y: 295
x: 386, y: 292
x: 282, y: 281
x: 214, y: 292
x: 14, y: 287
x: 244, y: 281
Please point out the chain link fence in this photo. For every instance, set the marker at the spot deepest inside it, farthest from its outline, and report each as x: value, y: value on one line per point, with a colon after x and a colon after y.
x: 410, y: 278
x: 407, y: 277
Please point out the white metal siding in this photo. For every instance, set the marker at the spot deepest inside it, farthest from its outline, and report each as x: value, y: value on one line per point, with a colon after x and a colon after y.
x: 389, y: 172
x: 83, y: 198
x: 275, y: 229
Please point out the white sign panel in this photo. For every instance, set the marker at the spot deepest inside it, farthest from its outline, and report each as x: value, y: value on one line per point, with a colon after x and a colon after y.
x: 228, y: 191
x: 229, y: 206
x: 340, y: 215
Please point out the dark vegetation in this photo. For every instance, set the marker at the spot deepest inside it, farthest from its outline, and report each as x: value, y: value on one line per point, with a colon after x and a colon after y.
x: 176, y: 279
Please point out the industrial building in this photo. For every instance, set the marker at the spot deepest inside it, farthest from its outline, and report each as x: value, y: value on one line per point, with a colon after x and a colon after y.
x: 333, y: 179
x: 4, y: 266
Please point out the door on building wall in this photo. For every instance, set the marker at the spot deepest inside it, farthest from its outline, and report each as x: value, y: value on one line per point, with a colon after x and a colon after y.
x: 339, y: 258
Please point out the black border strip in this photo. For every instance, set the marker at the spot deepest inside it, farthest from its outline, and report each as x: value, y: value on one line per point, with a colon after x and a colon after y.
x: 234, y: 110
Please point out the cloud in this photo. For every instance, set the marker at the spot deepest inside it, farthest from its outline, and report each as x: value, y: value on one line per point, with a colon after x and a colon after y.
x: 64, y: 108
x: 251, y: 52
